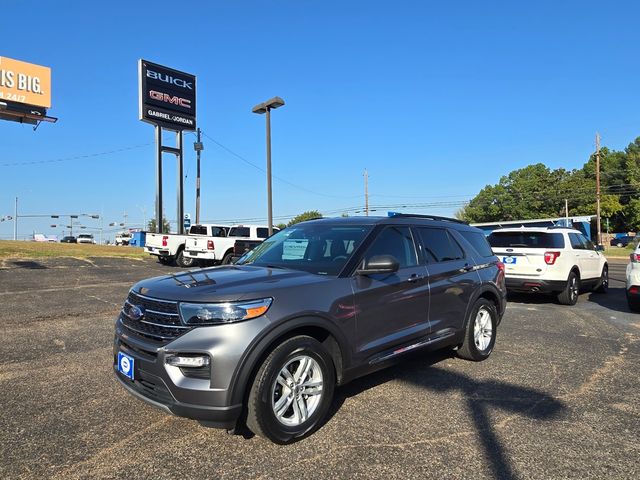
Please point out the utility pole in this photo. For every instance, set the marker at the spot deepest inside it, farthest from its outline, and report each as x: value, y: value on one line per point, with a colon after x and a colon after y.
x: 599, y: 237
x: 366, y: 192
x: 197, y: 146
x: 566, y: 213
x: 15, y: 221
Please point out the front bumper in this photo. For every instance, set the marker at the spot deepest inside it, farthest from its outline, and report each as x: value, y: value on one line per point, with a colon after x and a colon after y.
x: 154, y: 391
x: 167, y: 388
x: 534, y: 285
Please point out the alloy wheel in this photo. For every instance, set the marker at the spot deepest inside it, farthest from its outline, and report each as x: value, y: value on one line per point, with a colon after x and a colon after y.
x: 297, y: 390
x: 482, y: 329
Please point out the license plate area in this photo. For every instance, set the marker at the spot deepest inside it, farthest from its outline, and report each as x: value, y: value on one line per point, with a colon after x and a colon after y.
x: 126, y: 365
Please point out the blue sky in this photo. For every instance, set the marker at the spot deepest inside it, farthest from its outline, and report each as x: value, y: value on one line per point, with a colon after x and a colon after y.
x: 436, y: 100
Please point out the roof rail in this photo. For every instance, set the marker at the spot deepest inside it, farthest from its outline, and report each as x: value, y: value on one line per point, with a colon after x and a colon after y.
x: 428, y: 217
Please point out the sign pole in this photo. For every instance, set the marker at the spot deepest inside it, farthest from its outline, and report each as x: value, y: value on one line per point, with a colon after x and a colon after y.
x: 180, y: 186
x: 15, y: 221
x: 159, y: 223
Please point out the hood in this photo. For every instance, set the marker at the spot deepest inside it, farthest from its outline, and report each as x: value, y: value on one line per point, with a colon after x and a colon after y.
x: 222, y: 284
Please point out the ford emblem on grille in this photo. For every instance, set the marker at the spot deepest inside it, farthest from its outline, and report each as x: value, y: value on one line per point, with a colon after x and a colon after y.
x: 136, y: 312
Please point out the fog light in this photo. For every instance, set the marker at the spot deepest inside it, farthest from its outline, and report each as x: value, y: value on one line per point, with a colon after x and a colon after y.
x: 194, y: 361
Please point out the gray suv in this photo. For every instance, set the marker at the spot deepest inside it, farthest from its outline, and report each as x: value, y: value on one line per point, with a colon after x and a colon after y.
x: 264, y: 342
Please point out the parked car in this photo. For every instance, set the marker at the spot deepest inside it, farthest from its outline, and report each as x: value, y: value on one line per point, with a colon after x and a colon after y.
x: 622, y: 241
x: 69, y: 239
x: 560, y: 261
x: 220, y: 246
x: 123, y: 238
x: 632, y: 285
x: 170, y: 247
x: 313, y: 307
x: 86, y: 238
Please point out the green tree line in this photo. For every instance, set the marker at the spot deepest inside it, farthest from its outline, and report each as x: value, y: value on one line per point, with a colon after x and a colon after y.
x: 537, y: 191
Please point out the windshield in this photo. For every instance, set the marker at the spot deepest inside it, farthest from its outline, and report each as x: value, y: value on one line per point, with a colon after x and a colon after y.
x: 318, y: 248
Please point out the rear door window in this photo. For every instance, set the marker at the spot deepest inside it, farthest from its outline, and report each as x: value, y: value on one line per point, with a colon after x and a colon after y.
x: 239, y: 232
x: 526, y: 240
x: 479, y: 242
x: 263, y: 232
x: 439, y: 245
x: 577, y: 243
x: 198, y: 230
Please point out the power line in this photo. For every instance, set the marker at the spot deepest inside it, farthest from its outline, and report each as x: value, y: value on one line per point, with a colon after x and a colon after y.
x: 76, y: 157
x: 291, y: 184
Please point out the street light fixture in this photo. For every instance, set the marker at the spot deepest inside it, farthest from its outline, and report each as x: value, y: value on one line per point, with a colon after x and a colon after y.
x: 266, y: 107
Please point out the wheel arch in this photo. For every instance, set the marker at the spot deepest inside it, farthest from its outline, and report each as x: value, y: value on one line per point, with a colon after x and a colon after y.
x: 316, y: 327
x: 488, y: 292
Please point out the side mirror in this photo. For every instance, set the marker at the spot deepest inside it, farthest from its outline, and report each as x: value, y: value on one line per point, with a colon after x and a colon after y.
x: 599, y: 248
x: 379, y: 264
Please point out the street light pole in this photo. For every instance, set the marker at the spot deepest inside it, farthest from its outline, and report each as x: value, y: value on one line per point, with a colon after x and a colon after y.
x: 198, y: 148
x: 266, y: 108
x: 269, y: 192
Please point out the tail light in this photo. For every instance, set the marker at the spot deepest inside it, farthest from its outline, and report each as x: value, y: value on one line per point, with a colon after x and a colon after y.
x: 633, y: 290
x: 164, y: 241
x: 635, y: 257
x: 551, y: 257
x: 500, y: 266
x: 210, y: 245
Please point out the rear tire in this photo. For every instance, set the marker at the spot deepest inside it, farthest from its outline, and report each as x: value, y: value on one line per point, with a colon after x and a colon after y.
x: 283, y: 414
x: 569, y: 296
x: 226, y: 260
x: 603, y: 285
x: 184, y: 262
x: 165, y: 260
x: 480, y: 334
x: 634, y: 305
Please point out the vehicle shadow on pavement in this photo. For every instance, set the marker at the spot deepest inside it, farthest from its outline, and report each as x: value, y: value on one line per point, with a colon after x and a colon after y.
x: 615, y: 299
x: 481, y: 398
x: 29, y: 264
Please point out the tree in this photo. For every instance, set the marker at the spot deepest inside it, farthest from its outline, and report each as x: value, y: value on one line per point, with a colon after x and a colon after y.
x: 166, y: 228
x: 308, y: 215
x: 281, y: 226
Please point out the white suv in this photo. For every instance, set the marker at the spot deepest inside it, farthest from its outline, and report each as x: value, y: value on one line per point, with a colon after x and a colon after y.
x: 633, y: 281
x: 550, y: 260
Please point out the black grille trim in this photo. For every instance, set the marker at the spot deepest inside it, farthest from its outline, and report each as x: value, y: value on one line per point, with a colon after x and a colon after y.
x: 160, y: 322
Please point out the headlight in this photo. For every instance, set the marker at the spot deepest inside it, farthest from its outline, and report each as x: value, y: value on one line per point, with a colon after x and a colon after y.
x: 215, y: 313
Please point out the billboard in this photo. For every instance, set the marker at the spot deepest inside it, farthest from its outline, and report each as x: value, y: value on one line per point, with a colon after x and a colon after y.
x: 167, y: 96
x: 25, y: 83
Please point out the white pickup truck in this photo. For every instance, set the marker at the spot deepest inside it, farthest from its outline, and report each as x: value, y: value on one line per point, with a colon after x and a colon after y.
x: 170, y: 247
x: 218, y: 249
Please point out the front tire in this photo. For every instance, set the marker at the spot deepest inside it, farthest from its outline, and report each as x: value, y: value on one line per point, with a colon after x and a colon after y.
x: 278, y: 407
x: 480, y: 334
x: 569, y: 296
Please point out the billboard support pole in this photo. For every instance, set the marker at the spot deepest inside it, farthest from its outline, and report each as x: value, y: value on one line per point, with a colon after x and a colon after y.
x: 180, y: 186
x: 159, y: 222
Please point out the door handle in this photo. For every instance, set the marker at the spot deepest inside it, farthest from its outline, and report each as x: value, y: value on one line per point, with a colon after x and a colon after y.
x: 415, y: 277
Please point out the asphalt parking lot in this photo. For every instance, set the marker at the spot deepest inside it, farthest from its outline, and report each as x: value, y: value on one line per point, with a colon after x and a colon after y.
x: 559, y: 397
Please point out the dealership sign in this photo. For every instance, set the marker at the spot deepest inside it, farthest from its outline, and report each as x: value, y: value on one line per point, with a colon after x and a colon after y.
x: 167, y: 97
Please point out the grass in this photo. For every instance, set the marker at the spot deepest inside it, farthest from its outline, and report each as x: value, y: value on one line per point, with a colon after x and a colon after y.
x: 11, y: 249
x: 618, y: 252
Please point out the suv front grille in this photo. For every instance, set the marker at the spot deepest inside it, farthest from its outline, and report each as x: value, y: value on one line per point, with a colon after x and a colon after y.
x: 160, y: 319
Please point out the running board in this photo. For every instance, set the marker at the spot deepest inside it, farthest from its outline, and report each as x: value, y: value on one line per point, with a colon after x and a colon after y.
x: 442, y: 335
